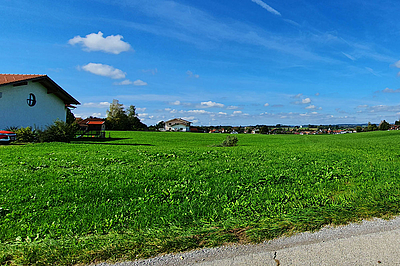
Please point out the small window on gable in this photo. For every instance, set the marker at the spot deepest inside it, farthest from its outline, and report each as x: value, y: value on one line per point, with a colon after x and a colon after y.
x: 31, y: 101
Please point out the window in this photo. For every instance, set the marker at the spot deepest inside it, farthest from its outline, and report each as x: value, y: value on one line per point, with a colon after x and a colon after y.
x: 31, y: 101
x: 1, y: 94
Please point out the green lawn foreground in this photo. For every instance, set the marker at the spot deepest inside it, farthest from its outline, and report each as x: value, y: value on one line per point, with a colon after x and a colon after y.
x: 148, y: 193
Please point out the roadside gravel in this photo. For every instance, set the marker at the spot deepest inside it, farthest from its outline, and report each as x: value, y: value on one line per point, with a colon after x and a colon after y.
x: 373, y: 242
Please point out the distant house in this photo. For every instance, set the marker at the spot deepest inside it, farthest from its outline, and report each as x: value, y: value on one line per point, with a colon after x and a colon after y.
x: 394, y: 127
x: 32, y: 100
x: 92, y: 126
x: 177, y: 124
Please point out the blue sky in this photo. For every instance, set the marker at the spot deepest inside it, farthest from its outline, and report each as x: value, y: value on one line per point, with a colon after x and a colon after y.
x: 236, y: 62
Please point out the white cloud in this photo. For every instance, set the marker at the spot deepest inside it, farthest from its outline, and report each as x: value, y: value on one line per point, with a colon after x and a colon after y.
x: 141, y: 109
x: 266, y: 104
x: 311, y: 107
x: 198, y: 112
x: 96, y: 42
x: 306, y: 100
x: 96, y: 105
x: 232, y: 107
x: 297, y: 95
x: 317, y: 94
x: 139, y: 83
x: 349, y: 56
x: 176, y: 103
x: 151, y: 71
x: 211, y: 104
x: 125, y: 82
x: 222, y: 113
x: 397, y: 64
x: 384, y: 108
x: 237, y: 112
x: 104, y: 70
x: 370, y: 70
x: 387, y: 90
x: 189, y: 118
x: 267, y: 7
x: 192, y: 75
x: 96, y: 115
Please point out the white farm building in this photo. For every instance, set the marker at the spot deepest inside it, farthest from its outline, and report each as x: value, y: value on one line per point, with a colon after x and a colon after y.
x: 32, y: 100
x: 177, y: 124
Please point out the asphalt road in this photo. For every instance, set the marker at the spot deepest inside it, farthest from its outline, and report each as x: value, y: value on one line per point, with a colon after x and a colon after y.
x: 375, y: 242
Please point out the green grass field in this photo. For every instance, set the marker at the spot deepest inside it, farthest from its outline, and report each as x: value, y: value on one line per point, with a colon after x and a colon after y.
x: 146, y: 193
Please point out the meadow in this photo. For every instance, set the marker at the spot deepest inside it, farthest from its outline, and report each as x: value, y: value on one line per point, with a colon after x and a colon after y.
x: 140, y: 194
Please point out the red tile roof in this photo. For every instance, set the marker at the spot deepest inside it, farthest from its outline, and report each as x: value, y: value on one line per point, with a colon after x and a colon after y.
x: 10, y: 78
x: 91, y: 121
x: 95, y: 122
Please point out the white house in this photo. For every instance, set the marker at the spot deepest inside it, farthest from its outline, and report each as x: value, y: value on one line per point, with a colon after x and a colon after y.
x: 32, y: 100
x: 177, y: 124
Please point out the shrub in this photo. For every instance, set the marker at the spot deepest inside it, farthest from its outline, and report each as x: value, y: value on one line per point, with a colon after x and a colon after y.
x: 25, y: 134
x: 230, y: 141
x: 60, y: 131
x: 13, y: 129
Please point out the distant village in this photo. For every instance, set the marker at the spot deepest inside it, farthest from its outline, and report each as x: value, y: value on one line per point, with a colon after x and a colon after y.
x: 178, y: 124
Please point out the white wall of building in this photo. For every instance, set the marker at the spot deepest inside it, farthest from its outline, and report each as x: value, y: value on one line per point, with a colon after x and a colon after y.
x: 180, y: 128
x: 15, y: 111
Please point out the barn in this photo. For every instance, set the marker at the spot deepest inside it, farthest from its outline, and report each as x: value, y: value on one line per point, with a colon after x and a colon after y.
x: 32, y: 100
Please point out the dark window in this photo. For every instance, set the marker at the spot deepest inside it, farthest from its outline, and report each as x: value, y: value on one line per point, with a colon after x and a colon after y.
x: 31, y: 100
x: 1, y: 94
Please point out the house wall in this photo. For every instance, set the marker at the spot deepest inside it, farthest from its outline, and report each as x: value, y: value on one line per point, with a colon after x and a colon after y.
x: 180, y: 127
x: 15, y: 111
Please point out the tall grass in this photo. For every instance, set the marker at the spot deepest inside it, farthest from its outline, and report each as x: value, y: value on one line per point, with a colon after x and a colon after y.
x: 144, y: 193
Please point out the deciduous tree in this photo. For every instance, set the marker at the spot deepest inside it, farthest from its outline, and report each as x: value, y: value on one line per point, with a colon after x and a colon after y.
x: 119, y: 119
x: 384, y: 125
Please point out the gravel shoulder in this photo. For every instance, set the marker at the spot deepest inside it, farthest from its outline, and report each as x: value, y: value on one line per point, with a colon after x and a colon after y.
x: 373, y: 242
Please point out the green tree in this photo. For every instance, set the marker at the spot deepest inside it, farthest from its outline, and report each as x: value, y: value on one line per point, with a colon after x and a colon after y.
x: 359, y: 129
x: 134, y: 121
x: 117, y: 118
x: 70, y: 117
x: 397, y: 123
x: 160, y: 125
x: 371, y: 127
x: 384, y: 125
x: 264, y: 130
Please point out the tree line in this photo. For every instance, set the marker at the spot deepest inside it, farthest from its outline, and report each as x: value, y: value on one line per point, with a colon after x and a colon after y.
x: 120, y: 119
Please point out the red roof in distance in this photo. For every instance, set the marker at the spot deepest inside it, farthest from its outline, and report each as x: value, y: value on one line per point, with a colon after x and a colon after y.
x: 95, y: 122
